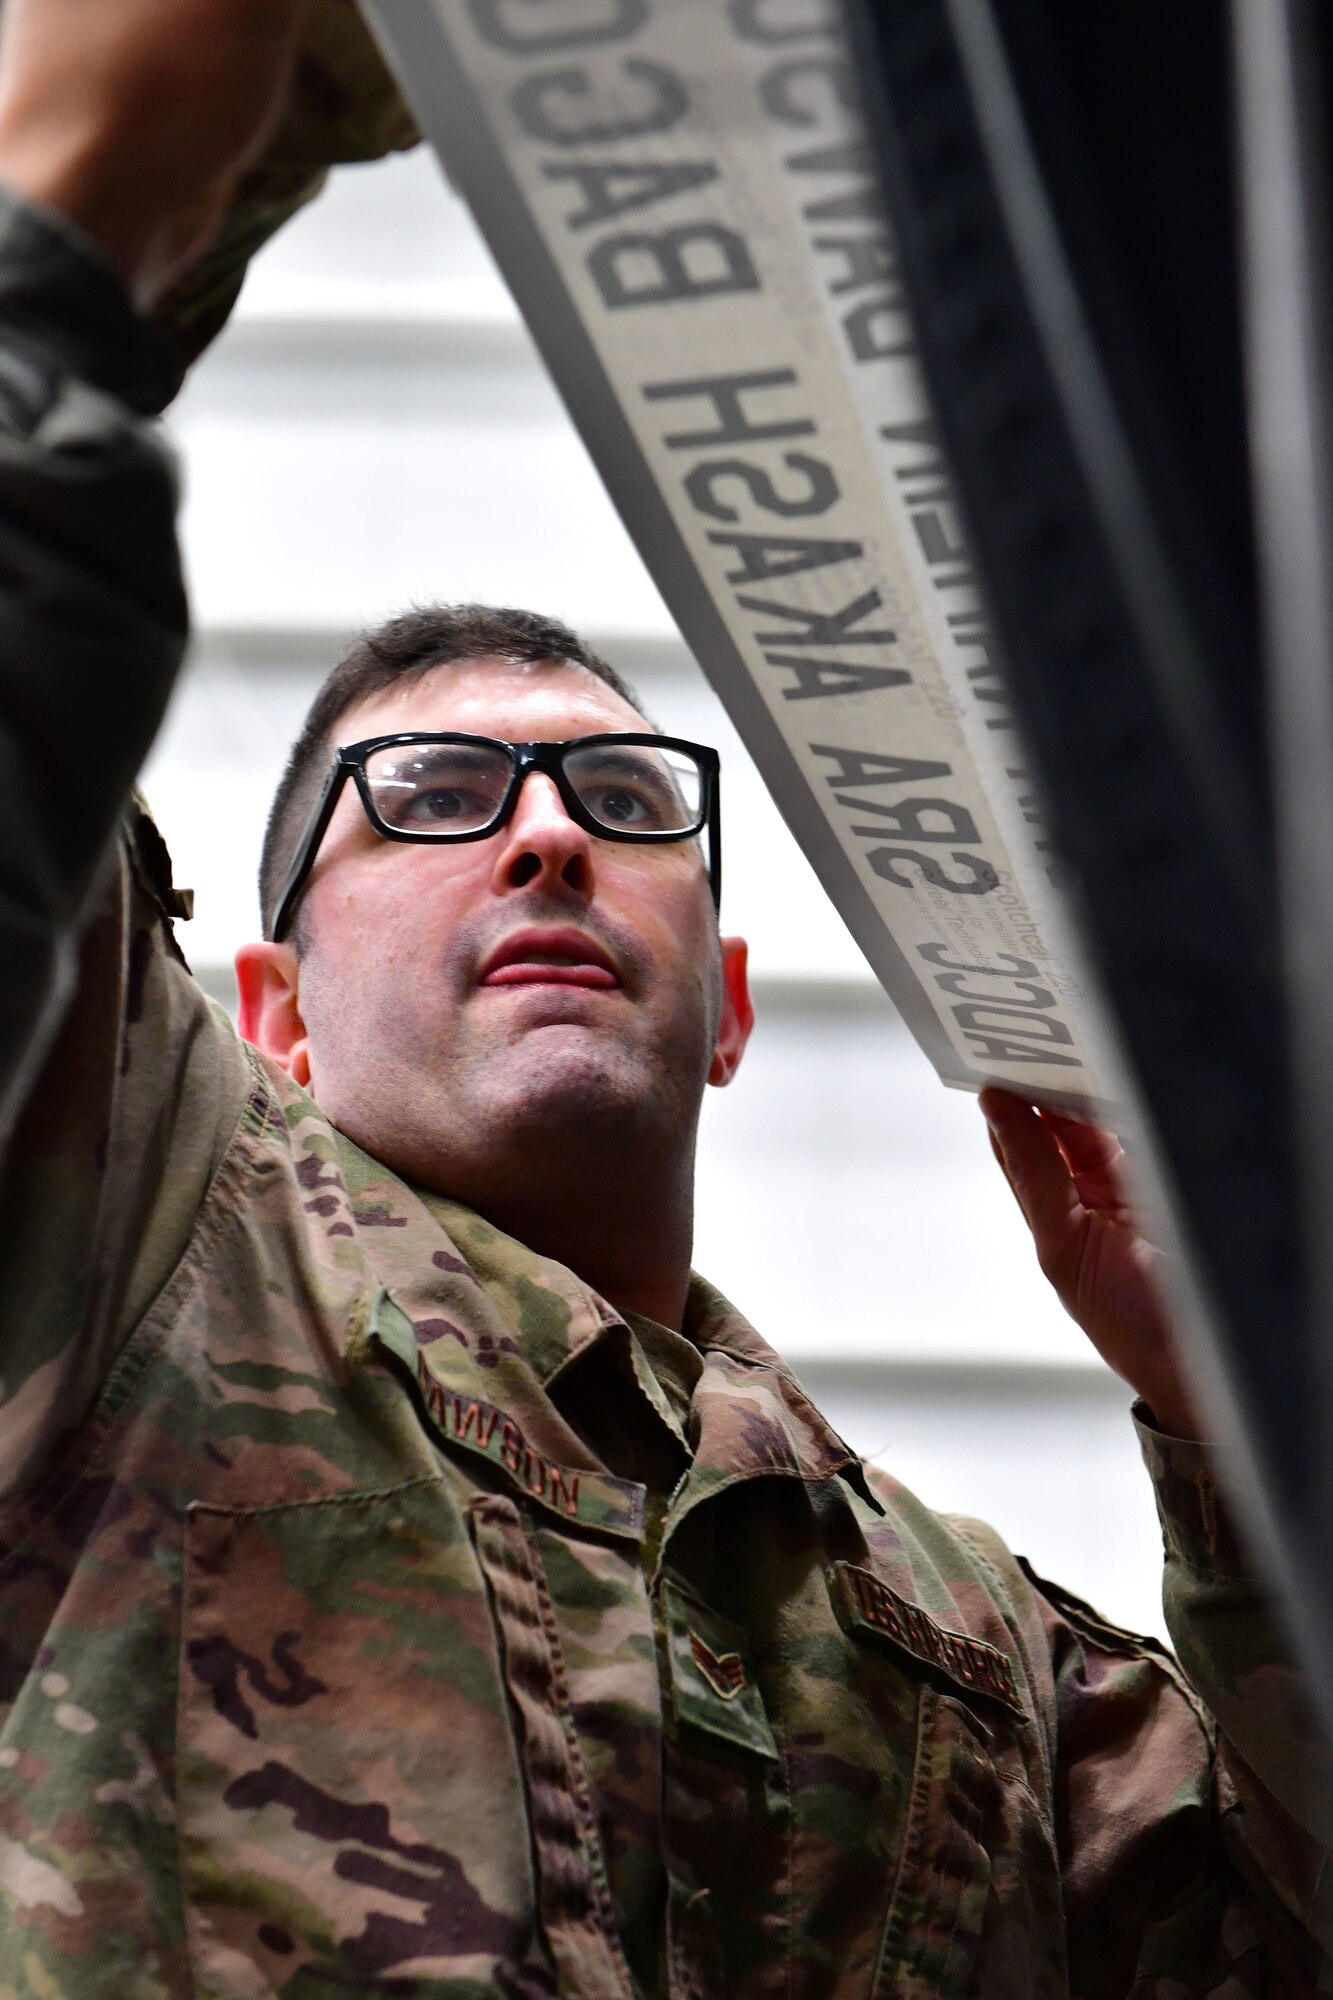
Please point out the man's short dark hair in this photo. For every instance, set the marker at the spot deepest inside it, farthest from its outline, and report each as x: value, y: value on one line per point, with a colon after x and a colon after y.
x: 404, y: 649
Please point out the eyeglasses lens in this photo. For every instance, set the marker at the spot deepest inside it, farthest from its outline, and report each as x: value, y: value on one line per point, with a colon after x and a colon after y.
x: 633, y: 789
x: 438, y: 787
x: 458, y: 788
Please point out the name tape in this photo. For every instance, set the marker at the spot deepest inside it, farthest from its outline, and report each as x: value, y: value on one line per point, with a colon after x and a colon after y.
x: 594, y: 1499
x: 971, y: 1663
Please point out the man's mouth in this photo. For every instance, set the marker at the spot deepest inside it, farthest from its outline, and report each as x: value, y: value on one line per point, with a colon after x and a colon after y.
x: 549, y: 958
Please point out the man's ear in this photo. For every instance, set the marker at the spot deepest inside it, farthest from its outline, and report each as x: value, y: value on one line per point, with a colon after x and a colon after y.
x: 733, y: 1030
x: 268, y: 979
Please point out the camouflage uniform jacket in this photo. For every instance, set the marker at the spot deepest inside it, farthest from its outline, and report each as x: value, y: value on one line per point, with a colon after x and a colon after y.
x: 366, y: 1626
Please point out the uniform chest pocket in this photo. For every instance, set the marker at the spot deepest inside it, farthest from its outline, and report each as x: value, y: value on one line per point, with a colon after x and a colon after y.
x: 351, y: 1806
x: 976, y: 1901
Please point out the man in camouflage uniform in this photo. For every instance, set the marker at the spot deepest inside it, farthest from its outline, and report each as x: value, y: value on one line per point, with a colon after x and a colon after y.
x: 414, y: 1581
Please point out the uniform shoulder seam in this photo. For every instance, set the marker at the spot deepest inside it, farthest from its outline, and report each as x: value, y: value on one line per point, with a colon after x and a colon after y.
x: 1096, y: 1630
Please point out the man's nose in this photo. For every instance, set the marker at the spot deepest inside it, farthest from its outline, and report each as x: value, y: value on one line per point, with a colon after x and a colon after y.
x: 541, y: 845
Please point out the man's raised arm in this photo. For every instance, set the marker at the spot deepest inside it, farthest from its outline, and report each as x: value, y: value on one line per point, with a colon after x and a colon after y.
x: 123, y: 129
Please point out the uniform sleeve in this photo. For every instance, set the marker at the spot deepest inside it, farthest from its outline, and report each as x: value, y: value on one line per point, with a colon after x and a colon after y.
x: 117, y: 1079
x: 92, y: 607
x: 114, y: 1152
x: 1191, y: 1792
x: 1274, y: 1779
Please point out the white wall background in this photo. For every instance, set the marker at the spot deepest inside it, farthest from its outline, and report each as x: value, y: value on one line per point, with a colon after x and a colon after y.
x: 375, y: 429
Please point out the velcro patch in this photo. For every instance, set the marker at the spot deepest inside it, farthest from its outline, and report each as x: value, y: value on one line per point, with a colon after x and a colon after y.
x: 711, y: 1687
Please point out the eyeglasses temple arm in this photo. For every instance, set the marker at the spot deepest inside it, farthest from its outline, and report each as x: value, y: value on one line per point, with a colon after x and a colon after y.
x: 715, y: 841
x: 316, y: 828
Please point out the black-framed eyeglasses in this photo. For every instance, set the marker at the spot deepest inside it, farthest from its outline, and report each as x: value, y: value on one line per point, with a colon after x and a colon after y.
x: 445, y: 786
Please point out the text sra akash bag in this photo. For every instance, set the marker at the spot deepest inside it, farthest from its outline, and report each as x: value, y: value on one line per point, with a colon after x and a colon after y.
x: 680, y: 195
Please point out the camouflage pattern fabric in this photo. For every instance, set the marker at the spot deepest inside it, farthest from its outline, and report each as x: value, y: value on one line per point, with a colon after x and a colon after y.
x: 345, y: 106
x: 369, y: 1625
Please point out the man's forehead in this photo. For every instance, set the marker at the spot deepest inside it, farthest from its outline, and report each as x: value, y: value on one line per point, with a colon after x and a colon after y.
x: 538, y: 699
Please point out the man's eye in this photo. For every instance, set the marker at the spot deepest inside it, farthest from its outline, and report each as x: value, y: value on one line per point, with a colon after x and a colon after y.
x: 443, y: 806
x: 618, y: 805
x: 441, y: 802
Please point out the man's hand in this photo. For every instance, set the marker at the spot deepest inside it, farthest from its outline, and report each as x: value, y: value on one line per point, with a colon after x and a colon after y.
x: 1067, y: 1180
x: 136, y: 117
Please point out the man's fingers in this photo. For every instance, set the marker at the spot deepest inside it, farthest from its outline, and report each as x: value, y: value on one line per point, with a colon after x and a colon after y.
x: 1034, y: 1167
x: 1087, y: 1148
x: 999, y: 1155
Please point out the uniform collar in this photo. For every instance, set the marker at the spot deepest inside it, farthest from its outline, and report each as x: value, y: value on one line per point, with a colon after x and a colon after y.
x: 490, y: 1321
x: 495, y: 1319
x: 752, y: 1417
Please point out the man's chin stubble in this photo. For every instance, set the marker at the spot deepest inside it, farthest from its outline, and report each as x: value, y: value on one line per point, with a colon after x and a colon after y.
x: 577, y: 1088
